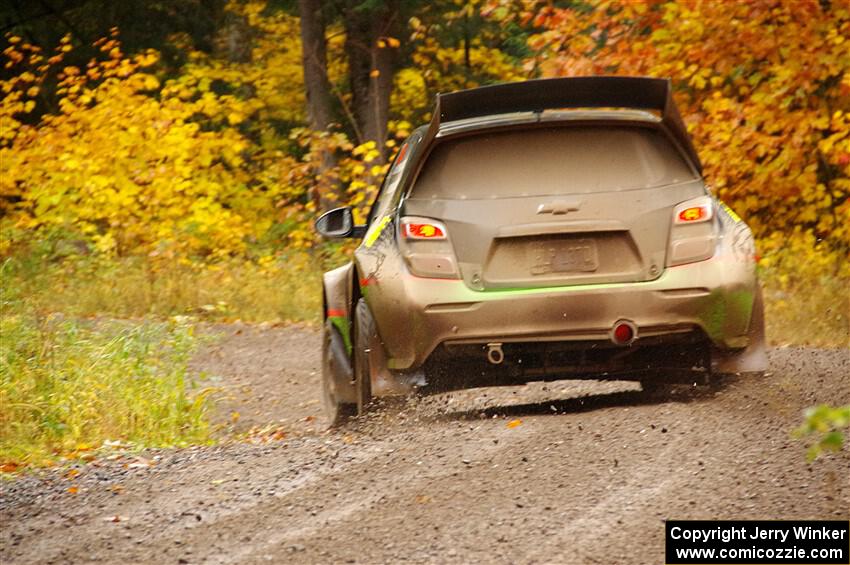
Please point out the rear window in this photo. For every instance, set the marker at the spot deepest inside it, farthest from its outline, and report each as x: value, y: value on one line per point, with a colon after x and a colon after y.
x: 563, y: 160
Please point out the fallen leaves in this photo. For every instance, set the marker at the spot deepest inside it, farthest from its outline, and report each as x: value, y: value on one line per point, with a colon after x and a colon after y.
x: 9, y: 467
x: 265, y: 434
x: 115, y: 518
x: 514, y: 423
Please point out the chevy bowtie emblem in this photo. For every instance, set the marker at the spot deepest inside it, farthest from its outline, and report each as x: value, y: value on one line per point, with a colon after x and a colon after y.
x: 558, y: 207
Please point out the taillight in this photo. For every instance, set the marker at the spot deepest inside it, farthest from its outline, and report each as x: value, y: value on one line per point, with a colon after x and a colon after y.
x: 690, y: 212
x: 423, y: 230
x: 427, y: 249
x: 693, y: 235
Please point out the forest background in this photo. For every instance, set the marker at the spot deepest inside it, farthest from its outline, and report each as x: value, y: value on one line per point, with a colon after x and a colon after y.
x: 164, y: 160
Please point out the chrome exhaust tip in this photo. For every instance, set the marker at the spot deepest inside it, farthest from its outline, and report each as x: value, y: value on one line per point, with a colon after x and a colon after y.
x: 495, y: 355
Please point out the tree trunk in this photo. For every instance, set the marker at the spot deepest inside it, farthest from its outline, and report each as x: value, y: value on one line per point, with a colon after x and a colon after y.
x: 326, y: 192
x: 238, y: 38
x: 235, y: 42
x: 371, y: 63
x: 315, y: 64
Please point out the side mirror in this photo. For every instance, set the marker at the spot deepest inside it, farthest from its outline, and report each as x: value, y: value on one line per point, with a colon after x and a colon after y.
x: 338, y: 223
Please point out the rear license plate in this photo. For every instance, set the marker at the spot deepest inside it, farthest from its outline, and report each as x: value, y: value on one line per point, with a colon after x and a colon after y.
x: 568, y: 256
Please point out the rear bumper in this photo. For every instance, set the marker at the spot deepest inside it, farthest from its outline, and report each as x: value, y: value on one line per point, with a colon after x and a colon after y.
x: 713, y: 297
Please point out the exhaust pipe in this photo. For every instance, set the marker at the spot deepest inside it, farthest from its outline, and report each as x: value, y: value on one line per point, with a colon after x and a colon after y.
x: 495, y: 355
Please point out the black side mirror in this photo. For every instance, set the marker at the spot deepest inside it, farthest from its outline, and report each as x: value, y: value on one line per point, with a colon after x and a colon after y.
x: 338, y: 223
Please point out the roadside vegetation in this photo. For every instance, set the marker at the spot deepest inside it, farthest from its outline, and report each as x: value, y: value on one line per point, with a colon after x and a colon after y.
x: 271, y: 289
x: 70, y: 386
x: 807, y: 301
x: 158, y: 171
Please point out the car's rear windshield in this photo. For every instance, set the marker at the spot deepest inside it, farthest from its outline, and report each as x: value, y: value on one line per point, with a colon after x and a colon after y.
x: 557, y: 160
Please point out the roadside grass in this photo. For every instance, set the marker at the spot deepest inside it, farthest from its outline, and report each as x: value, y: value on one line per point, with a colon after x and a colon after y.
x: 807, y: 292
x: 75, y: 372
x: 812, y: 311
x: 67, y: 386
x: 277, y: 289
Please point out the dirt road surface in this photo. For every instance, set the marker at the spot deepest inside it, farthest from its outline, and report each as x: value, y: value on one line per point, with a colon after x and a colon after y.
x: 569, y: 472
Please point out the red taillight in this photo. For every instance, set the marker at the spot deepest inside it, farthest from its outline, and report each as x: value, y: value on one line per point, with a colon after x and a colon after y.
x: 425, y: 245
x: 694, y: 235
x: 693, y: 214
x: 423, y: 231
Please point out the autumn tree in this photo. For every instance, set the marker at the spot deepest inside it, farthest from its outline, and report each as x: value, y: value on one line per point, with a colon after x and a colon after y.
x: 371, y: 30
x: 452, y: 48
x: 764, y: 87
x: 398, y: 54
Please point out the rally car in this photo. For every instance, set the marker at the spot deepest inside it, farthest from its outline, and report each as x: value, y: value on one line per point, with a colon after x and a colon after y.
x: 541, y: 230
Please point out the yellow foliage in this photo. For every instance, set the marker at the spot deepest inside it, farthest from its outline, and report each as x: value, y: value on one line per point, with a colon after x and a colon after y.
x: 191, y: 166
x: 438, y: 68
x: 139, y: 173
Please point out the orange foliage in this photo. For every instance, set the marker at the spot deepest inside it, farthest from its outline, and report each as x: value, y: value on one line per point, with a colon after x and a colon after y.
x: 764, y: 87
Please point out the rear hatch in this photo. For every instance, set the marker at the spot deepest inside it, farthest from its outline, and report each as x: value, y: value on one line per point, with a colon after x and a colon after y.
x: 556, y: 205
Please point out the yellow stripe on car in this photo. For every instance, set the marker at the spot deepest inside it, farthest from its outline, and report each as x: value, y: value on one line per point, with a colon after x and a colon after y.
x: 375, y: 231
x: 731, y: 213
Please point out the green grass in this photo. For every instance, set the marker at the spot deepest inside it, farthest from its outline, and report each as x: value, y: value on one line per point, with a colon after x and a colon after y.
x: 67, y: 386
x: 287, y: 288
x: 806, y: 296
x: 75, y: 372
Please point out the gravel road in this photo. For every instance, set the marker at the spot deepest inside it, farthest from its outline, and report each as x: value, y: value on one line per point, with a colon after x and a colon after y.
x: 569, y: 472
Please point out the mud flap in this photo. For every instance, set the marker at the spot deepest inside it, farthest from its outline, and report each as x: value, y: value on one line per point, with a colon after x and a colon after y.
x: 340, y: 367
x: 751, y: 359
x: 336, y: 296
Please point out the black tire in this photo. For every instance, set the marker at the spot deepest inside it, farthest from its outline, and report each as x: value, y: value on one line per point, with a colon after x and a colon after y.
x: 369, y: 359
x: 337, y: 411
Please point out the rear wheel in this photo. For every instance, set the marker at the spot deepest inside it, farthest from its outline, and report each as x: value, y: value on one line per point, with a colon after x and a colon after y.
x: 334, y: 377
x: 369, y: 359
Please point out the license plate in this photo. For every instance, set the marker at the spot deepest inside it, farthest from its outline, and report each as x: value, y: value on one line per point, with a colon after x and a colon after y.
x: 570, y: 256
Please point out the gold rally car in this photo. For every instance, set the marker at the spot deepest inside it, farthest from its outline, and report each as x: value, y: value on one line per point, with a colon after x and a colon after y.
x: 541, y: 230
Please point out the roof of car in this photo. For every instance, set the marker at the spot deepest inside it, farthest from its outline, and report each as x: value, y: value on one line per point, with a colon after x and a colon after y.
x: 559, y: 100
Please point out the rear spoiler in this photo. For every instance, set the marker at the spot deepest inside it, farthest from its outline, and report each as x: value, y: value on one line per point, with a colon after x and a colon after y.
x: 572, y: 92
